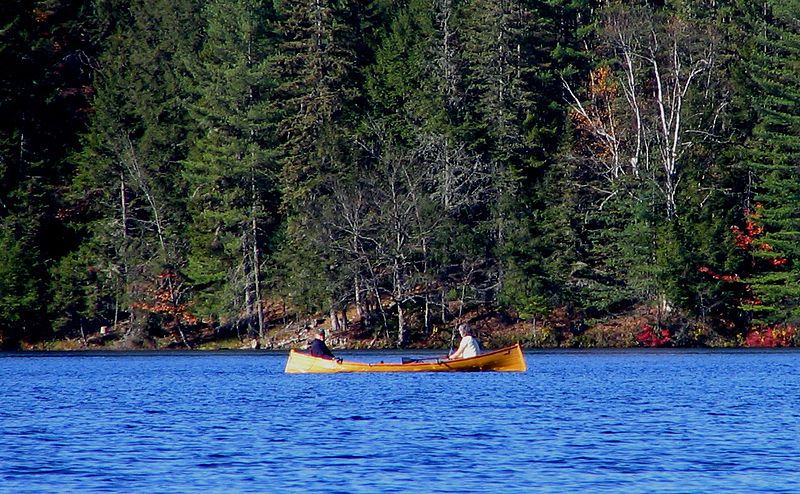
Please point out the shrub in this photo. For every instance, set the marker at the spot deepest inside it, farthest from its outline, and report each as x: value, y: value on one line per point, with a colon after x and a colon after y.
x: 770, y: 337
x: 649, y: 336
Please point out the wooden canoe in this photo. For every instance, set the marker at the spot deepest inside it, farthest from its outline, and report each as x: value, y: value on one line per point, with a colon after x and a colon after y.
x: 508, y: 359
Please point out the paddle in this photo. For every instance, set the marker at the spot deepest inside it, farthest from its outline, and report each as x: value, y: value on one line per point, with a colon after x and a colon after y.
x: 407, y: 360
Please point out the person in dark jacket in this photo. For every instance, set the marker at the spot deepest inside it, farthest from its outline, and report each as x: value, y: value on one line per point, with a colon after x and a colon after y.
x: 317, y: 346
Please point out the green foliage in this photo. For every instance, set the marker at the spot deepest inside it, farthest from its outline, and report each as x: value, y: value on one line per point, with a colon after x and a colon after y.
x: 44, y: 90
x: 317, y: 79
x: 20, y: 292
x: 125, y: 186
x: 774, y: 152
x: 399, y: 83
x: 230, y: 174
x: 510, y: 153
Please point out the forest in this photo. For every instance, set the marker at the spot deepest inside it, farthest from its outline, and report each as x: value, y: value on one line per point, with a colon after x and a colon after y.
x: 578, y: 172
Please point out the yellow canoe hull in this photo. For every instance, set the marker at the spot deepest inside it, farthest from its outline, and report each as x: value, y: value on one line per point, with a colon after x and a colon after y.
x: 508, y: 359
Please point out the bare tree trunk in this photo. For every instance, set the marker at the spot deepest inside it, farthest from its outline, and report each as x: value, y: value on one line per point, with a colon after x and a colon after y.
x: 256, y: 269
x: 248, y: 292
x: 138, y: 174
x: 401, y: 325
x: 427, y: 314
x: 124, y: 211
x: 631, y: 90
x: 123, y: 204
x: 659, y: 131
x: 670, y: 96
x: 360, y: 310
x: 461, y: 302
x: 123, y: 268
x: 183, y: 335
x: 444, y: 305
x: 116, y: 311
x: 257, y: 285
x: 83, y: 333
x: 335, y: 326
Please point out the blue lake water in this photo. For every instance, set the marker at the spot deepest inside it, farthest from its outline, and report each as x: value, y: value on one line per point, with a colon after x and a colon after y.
x: 577, y: 421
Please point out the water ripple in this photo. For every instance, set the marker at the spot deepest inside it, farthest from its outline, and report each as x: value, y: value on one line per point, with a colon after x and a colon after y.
x: 675, y: 421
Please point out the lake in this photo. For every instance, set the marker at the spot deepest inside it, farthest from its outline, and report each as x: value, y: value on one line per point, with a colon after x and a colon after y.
x: 578, y: 421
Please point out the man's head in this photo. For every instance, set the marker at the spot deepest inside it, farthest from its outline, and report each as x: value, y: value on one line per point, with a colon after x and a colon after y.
x: 465, y: 330
x: 317, y: 333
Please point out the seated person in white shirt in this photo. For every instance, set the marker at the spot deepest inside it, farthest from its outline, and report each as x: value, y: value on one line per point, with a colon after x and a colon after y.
x: 469, y: 346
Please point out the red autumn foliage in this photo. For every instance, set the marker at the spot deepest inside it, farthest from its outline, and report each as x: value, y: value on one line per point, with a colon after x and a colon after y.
x: 744, y: 239
x: 770, y: 337
x: 722, y: 277
x: 648, y: 336
x: 747, y: 239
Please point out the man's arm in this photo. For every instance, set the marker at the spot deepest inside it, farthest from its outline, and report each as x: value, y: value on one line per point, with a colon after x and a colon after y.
x: 459, y: 353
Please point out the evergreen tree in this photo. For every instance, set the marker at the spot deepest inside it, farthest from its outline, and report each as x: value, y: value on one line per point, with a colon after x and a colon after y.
x: 398, y: 82
x: 512, y: 94
x: 230, y: 173
x: 316, y: 65
x: 318, y: 86
x: 20, y: 287
x: 716, y: 183
x: 774, y: 154
x: 129, y: 165
x: 542, y: 242
x: 539, y: 154
x: 47, y: 53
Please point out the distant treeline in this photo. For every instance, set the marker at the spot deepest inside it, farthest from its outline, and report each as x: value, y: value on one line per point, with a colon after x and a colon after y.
x: 180, y: 163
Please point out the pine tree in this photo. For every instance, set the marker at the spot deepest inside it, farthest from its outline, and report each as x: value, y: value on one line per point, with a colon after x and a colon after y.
x: 318, y: 86
x: 316, y: 66
x: 231, y: 175
x: 46, y: 50
x: 540, y: 211
x: 398, y: 83
x: 20, y: 287
x: 503, y: 43
x: 128, y: 168
x: 774, y: 154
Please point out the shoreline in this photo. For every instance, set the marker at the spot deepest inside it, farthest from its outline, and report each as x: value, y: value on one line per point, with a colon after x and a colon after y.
x: 73, y: 346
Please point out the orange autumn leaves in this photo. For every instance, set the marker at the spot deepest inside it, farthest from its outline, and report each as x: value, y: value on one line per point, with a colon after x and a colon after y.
x: 597, y: 116
x: 164, y: 299
x: 748, y: 239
